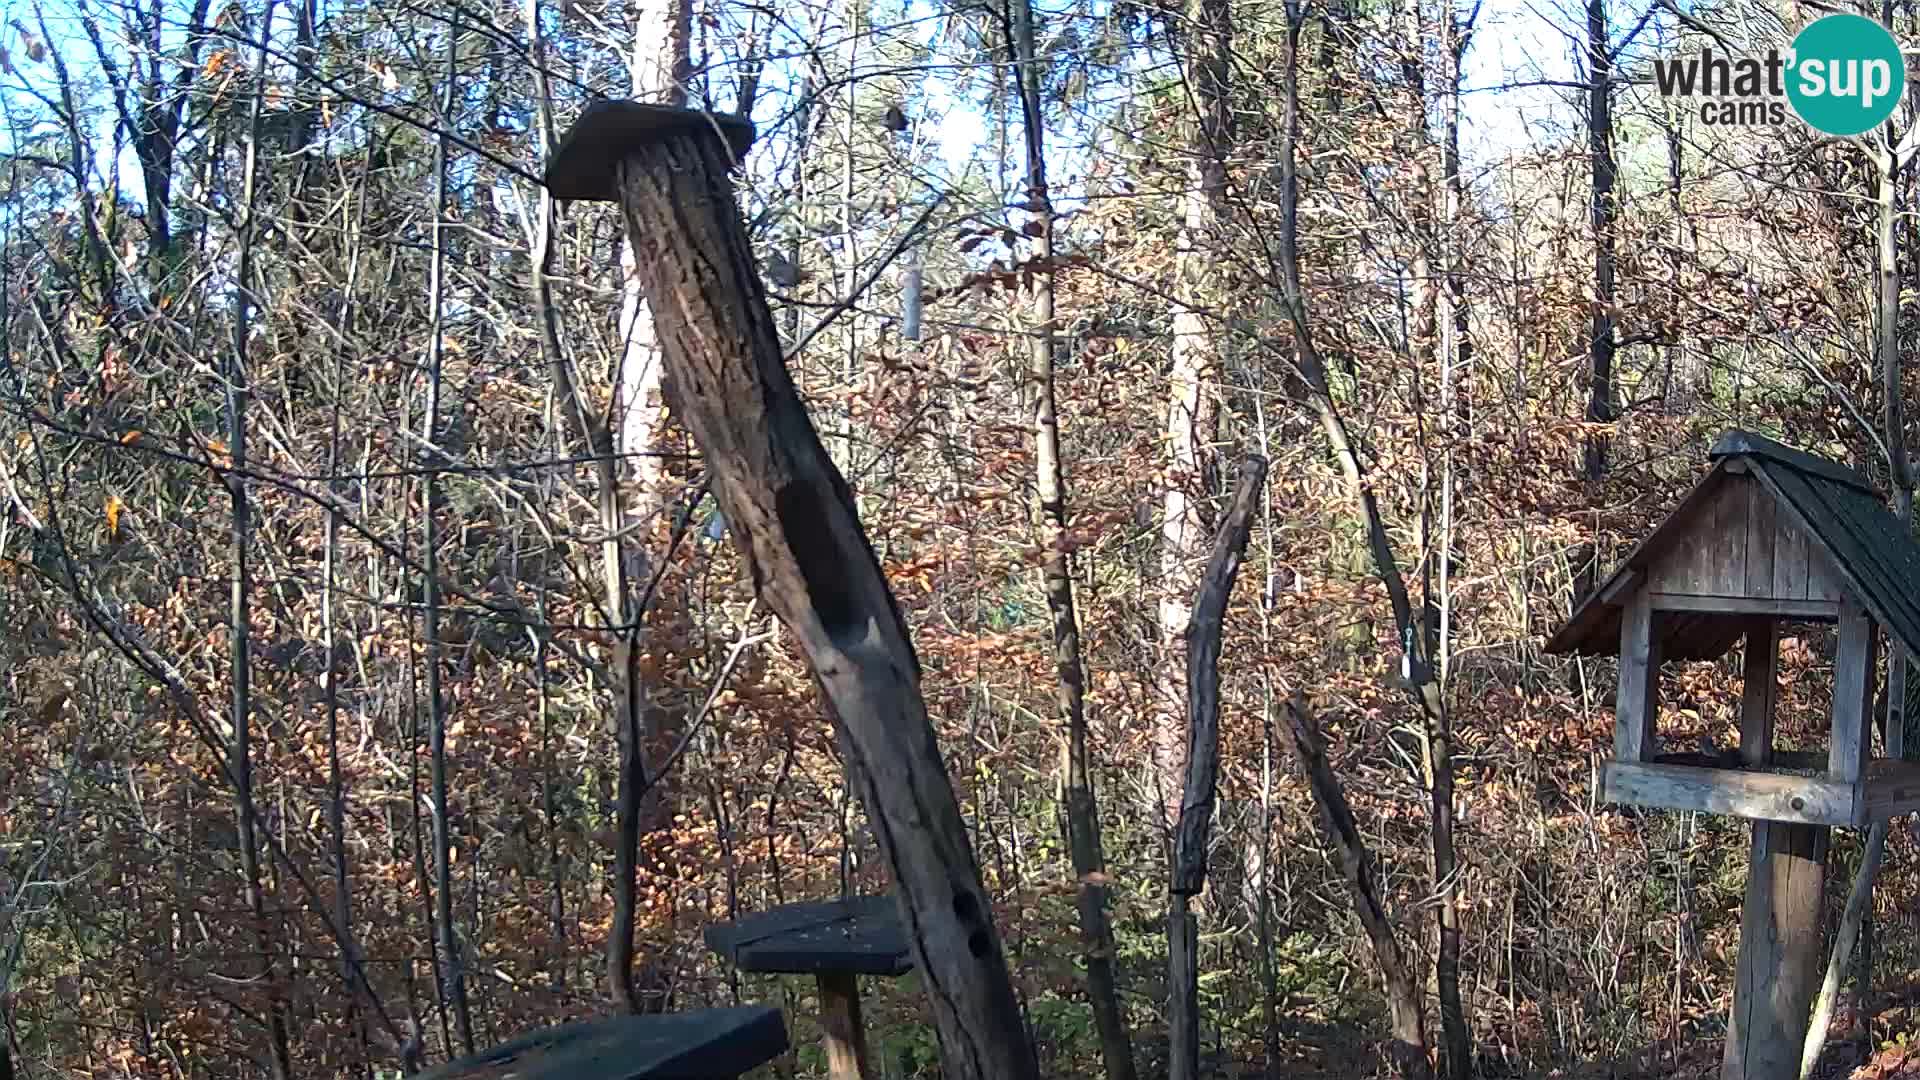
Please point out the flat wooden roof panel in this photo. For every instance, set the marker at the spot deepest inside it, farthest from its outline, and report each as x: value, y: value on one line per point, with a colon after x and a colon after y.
x: 665, y: 1046
x: 859, y: 935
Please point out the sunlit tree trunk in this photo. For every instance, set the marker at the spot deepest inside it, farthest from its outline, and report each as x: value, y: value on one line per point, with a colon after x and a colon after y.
x: 1083, y: 815
x: 1192, y: 416
x: 453, y: 974
x: 658, y: 71
x: 1602, y: 213
x: 1417, y: 667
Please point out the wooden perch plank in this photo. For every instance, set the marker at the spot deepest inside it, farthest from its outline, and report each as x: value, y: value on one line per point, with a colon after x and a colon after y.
x: 860, y: 935
x: 665, y: 1046
x: 1809, y: 800
x: 791, y: 515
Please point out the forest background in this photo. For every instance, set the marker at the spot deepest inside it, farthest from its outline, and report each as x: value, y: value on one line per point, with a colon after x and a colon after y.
x: 345, y: 513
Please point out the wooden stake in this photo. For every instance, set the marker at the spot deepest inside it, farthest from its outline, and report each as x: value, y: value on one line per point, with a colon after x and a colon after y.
x: 846, y: 1035
x: 1780, y: 963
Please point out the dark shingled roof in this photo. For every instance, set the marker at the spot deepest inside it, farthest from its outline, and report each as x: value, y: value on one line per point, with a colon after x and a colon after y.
x: 1876, y: 558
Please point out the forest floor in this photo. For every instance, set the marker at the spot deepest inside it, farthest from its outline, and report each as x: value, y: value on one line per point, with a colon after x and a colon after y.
x: 1894, y: 1058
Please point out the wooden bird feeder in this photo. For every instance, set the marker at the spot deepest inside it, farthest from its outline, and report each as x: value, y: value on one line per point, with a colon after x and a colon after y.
x: 836, y: 942
x: 706, y: 1044
x: 1771, y: 535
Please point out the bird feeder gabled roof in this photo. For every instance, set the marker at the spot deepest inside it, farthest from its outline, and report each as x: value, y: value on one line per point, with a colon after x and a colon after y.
x: 1844, y: 521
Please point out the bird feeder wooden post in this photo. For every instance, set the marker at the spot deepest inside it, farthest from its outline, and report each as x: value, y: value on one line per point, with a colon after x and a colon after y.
x: 792, y: 517
x: 1770, y: 536
x: 836, y: 942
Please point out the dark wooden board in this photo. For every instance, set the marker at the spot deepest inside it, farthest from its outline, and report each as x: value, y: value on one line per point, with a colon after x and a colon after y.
x: 860, y: 935
x: 583, y: 165
x: 698, y: 1045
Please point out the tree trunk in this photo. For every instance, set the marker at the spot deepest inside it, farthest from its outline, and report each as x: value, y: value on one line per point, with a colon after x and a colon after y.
x: 240, y: 611
x: 1856, y: 920
x: 791, y: 514
x: 1082, y: 809
x: 1600, y: 344
x: 658, y: 71
x: 1417, y: 667
x: 1301, y: 734
x: 1190, y: 841
x: 335, y: 646
x: 453, y: 973
x: 1192, y: 403
x: 1852, y: 920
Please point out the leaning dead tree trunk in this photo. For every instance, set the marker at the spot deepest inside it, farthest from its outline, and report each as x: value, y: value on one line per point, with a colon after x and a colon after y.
x: 1308, y: 748
x: 792, y: 516
x: 1203, y: 770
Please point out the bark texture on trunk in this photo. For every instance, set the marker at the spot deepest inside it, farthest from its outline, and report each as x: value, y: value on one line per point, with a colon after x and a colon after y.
x: 1056, y: 568
x: 1203, y: 769
x: 1417, y: 667
x: 1601, y: 210
x: 450, y: 944
x: 1192, y: 405
x: 658, y: 69
x: 792, y: 516
x: 240, y: 595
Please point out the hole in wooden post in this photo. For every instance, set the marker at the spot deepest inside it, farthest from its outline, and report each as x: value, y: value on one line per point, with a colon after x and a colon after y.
x: 822, y: 565
x: 1799, y: 803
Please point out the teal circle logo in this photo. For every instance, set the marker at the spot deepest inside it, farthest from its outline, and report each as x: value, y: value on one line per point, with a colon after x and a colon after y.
x: 1846, y: 74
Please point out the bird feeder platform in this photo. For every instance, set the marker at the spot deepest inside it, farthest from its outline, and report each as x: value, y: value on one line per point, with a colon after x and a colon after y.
x: 835, y: 941
x: 1770, y: 536
x: 702, y: 1044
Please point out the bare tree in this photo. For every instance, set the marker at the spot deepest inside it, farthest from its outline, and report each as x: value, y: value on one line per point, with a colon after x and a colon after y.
x: 1082, y: 809
x: 241, y: 581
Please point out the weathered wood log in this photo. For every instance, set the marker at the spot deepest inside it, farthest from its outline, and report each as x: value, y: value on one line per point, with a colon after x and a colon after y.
x: 845, y: 1033
x: 792, y: 516
x: 1203, y: 769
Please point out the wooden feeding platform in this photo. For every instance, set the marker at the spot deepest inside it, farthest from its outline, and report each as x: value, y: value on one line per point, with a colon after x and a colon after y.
x: 1771, y: 535
x: 835, y: 941
x: 706, y: 1044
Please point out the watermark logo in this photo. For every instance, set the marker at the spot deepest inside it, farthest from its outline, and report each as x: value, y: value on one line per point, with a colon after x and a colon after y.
x: 1843, y: 75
